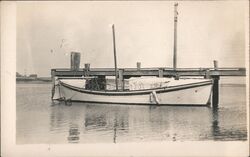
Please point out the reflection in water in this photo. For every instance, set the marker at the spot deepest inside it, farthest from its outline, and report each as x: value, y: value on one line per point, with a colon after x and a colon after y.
x: 215, y: 122
x: 115, y: 127
x: 123, y: 123
x: 95, y: 121
x: 224, y: 132
x: 74, y: 134
x: 106, y: 123
x: 56, y: 118
x: 104, y: 118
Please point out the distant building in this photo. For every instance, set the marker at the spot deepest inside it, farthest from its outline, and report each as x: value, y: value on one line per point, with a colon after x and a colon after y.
x: 33, y: 76
x: 18, y: 75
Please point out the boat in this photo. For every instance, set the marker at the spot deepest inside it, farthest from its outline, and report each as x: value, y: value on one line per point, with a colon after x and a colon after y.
x: 143, y: 90
x: 149, y: 91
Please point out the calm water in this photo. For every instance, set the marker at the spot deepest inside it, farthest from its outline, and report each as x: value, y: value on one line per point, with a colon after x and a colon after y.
x: 41, y: 121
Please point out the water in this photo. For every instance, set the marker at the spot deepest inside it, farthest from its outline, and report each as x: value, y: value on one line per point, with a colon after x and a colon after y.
x: 41, y: 121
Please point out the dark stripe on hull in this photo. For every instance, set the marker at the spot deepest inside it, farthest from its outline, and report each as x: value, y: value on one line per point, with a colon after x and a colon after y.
x: 139, y: 92
x: 148, y: 104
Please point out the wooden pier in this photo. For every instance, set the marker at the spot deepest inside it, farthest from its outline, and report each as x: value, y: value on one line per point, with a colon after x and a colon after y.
x: 124, y: 73
x: 161, y: 71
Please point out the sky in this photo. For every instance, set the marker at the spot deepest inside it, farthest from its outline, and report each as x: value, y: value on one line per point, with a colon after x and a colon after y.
x: 48, y: 31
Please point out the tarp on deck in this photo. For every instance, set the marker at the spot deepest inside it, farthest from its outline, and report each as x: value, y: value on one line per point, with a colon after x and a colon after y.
x: 148, y: 82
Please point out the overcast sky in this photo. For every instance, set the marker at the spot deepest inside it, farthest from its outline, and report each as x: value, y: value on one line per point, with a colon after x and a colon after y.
x: 48, y: 31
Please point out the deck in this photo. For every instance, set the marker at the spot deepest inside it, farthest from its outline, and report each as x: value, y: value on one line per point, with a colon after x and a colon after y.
x: 160, y: 71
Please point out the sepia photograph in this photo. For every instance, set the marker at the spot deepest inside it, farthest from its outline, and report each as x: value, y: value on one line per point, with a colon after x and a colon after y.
x: 126, y: 74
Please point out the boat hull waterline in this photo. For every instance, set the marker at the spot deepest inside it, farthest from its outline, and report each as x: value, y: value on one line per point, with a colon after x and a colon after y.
x: 195, y: 94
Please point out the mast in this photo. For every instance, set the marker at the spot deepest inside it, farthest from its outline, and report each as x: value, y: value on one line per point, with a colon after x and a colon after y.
x: 175, y: 36
x: 116, y: 80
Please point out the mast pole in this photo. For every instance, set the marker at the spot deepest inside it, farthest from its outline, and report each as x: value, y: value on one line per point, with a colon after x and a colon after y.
x: 175, y: 36
x: 116, y: 80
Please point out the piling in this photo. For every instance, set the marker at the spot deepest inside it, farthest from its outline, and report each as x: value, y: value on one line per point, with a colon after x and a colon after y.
x: 138, y: 65
x: 216, y: 78
x: 160, y: 72
x: 215, y: 65
x: 215, y: 95
x: 75, y: 61
x: 177, y: 76
x: 87, y: 69
x: 207, y: 74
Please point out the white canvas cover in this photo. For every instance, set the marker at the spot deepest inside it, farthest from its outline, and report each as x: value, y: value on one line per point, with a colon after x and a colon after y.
x: 148, y: 82
x: 140, y: 83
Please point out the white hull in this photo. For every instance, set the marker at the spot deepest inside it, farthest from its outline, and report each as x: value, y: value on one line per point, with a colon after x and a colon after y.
x: 197, y: 93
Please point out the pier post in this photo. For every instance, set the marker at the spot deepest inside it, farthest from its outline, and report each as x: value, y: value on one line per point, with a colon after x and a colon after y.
x: 138, y: 65
x: 215, y: 94
x: 75, y: 61
x: 215, y: 65
x: 87, y: 69
x: 121, y: 79
x: 215, y: 98
x: 160, y: 72
x: 207, y: 74
x: 177, y: 76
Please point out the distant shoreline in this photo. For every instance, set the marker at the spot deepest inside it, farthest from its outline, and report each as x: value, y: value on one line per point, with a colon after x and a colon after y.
x: 232, y: 85
x: 33, y: 82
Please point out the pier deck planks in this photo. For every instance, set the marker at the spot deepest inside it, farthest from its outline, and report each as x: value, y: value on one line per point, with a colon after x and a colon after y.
x: 130, y: 72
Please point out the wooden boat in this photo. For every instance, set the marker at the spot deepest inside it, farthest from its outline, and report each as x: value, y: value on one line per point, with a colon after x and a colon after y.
x: 168, y: 92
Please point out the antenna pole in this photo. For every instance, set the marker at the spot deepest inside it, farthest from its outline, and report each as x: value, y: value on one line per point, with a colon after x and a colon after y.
x: 175, y: 36
x: 116, y: 80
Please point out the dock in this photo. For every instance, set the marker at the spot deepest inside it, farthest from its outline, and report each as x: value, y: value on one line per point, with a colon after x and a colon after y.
x: 160, y: 71
x: 125, y: 73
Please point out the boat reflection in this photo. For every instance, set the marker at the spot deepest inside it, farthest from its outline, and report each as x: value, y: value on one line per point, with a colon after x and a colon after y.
x: 111, y: 120
x: 74, y: 134
x: 91, y: 123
